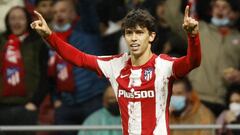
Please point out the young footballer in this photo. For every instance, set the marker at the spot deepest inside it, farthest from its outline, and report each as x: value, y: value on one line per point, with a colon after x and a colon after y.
x: 142, y: 81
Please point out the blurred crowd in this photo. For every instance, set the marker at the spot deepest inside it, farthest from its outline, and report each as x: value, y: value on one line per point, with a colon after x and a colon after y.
x: 37, y: 87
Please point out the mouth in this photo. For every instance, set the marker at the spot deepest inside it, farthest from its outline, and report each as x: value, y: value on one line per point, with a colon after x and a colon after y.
x: 17, y: 27
x: 60, y: 21
x: 134, y: 47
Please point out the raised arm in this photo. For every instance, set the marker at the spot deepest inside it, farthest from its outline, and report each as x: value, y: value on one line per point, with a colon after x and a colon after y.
x: 183, y: 65
x: 64, y: 49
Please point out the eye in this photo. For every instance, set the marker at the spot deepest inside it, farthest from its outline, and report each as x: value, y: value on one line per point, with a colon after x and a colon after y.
x: 139, y: 32
x: 128, y: 32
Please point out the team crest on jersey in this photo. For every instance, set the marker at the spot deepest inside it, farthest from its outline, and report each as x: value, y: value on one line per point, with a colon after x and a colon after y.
x: 13, y: 76
x: 148, y: 74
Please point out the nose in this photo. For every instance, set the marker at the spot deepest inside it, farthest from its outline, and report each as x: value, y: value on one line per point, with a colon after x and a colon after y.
x: 134, y: 37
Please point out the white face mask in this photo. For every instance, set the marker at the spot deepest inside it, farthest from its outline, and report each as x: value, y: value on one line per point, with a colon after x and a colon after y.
x: 63, y: 28
x: 235, y: 107
x: 220, y: 22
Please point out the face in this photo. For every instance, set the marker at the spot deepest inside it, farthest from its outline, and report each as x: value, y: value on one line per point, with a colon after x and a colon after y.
x: 179, y: 98
x: 136, y: 2
x: 221, y: 9
x: 179, y: 89
x: 235, y: 98
x: 45, y: 8
x: 62, y: 13
x: 18, y: 21
x: 139, y: 40
x: 234, y: 15
x: 234, y: 105
x: 160, y: 10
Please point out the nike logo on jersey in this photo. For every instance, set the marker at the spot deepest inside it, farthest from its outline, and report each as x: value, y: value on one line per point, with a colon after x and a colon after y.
x: 123, y: 76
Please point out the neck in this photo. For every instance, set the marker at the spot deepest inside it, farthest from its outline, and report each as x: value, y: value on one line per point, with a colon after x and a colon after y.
x: 138, y: 60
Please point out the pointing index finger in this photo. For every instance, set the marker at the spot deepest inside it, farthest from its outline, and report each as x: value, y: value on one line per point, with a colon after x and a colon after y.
x: 187, y: 11
x: 39, y: 15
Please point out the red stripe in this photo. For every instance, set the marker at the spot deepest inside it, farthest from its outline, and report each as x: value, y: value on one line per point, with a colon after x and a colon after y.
x: 148, y: 116
x: 123, y: 102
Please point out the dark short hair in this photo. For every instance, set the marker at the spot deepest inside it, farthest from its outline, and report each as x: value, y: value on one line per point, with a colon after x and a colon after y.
x: 139, y: 17
x: 232, y: 89
x: 28, y: 17
x: 39, y: 1
x: 186, y: 83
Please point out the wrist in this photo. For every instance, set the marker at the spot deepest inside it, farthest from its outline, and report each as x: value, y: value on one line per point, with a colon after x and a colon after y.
x: 193, y: 34
x: 48, y: 34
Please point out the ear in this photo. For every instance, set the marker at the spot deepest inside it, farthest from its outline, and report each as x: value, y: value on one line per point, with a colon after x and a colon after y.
x: 152, y: 36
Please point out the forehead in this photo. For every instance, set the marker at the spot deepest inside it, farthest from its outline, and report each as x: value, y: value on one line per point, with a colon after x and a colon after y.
x: 61, y: 4
x: 17, y: 11
x: 45, y: 2
x: 235, y: 96
x: 179, y: 87
x: 221, y: 3
x: 136, y: 28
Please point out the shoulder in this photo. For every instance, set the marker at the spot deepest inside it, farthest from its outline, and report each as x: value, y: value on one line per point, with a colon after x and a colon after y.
x: 167, y: 57
x: 203, y: 109
x: 33, y: 38
x: 111, y: 66
x: 206, y: 113
x: 114, y: 57
x: 97, y: 117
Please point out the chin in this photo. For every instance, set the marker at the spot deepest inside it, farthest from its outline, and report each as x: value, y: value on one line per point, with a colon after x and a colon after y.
x: 136, y: 54
x: 18, y: 33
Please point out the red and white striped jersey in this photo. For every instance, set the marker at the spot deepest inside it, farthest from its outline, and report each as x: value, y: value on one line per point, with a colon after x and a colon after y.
x: 143, y: 92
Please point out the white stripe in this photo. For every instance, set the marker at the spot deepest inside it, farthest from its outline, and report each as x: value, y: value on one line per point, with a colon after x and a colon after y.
x: 135, y: 78
x: 135, y: 118
x: 135, y: 108
x: 112, y: 68
x: 163, y: 70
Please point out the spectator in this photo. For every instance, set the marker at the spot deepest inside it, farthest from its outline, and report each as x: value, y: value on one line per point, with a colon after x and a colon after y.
x: 167, y: 41
x: 220, y: 50
x: 46, y: 110
x: 23, y: 71
x: 235, y: 13
x: 232, y: 114
x: 186, y: 108
x: 79, y: 91
x: 5, y: 6
x: 45, y: 8
x: 108, y: 115
x: 134, y: 4
x: 110, y: 13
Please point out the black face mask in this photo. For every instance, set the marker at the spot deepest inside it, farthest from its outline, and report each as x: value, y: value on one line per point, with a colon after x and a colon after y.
x: 178, y: 113
x: 113, y: 108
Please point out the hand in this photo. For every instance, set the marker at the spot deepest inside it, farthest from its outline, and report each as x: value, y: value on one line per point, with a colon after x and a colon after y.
x: 231, y: 75
x: 230, y: 117
x: 30, y: 106
x: 57, y: 103
x: 41, y: 26
x: 190, y: 25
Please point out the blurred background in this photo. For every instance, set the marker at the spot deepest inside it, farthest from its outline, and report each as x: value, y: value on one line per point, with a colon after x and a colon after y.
x: 37, y: 87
